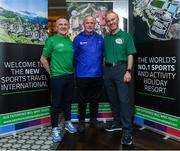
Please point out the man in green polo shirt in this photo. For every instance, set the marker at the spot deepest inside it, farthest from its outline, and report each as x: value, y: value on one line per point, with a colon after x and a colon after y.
x: 58, y: 48
x: 118, y: 51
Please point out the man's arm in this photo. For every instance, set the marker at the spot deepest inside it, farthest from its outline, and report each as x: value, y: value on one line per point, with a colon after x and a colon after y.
x: 75, y: 47
x: 45, y: 63
x: 128, y: 76
x: 94, y: 10
x: 130, y: 62
x: 85, y: 9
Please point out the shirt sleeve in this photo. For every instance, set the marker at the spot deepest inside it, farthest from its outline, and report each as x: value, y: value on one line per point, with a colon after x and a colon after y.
x: 47, y: 49
x: 130, y: 45
x: 75, y: 47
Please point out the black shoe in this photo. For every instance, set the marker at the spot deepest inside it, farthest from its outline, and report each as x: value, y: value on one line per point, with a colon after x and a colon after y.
x: 113, y: 127
x: 93, y: 123
x: 81, y: 127
x: 126, y: 139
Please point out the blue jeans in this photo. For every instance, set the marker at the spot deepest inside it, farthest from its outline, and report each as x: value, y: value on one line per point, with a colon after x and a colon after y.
x: 62, y: 94
x: 118, y: 95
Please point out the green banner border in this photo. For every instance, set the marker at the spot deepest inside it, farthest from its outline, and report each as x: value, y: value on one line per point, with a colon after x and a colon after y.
x: 22, y: 116
x: 32, y: 114
x: 158, y: 117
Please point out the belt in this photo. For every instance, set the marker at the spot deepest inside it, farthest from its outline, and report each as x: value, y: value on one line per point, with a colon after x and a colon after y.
x: 114, y: 64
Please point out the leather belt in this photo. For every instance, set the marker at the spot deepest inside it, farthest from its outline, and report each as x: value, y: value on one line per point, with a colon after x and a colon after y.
x: 114, y: 64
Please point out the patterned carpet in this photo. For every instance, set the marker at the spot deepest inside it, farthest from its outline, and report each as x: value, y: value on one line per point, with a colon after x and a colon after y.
x: 35, y: 139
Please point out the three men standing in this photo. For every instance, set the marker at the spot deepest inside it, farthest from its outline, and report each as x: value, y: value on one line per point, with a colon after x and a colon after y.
x: 88, y: 47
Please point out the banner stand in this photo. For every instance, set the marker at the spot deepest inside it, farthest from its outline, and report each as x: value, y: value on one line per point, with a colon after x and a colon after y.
x: 157, y: 70
x: 24, y: 95
x: 14, y: 133
x: 166, y: 135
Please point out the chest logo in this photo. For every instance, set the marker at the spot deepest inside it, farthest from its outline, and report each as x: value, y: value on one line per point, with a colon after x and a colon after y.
x: 119, y: 41
x: 61, y: 45
x: 83, y: 42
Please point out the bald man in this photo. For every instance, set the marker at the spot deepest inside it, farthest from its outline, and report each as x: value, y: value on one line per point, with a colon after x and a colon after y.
x: 60, y: 51
x: 88, y: 53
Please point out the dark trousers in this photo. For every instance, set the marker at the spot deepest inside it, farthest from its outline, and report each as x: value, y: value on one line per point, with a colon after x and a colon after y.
x: 118, y: 95
x: 62, y: 94
x: 89, y: 90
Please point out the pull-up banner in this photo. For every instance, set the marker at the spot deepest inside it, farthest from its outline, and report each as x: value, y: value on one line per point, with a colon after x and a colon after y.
x: 157, y: 67
x: 24, y: 83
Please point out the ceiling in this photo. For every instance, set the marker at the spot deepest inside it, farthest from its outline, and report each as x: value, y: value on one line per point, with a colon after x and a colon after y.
x: 56, y: 9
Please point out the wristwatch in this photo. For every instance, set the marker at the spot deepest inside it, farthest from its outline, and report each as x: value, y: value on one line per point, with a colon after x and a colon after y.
x: 128, y: 70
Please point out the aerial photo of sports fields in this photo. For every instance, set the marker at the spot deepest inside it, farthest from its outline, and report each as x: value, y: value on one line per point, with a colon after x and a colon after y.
x: 161, y: 16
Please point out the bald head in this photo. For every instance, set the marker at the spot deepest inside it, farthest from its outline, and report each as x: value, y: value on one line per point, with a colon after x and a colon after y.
x: 61, y: 20
x: 89, y: 23
x: 62, y: 26
x: 89, y: 18
x: 112, y: 13
x: 112, y: 21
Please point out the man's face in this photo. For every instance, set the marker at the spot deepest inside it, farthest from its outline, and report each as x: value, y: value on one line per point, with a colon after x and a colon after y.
x: 62, y: 26
x: 89, y: 24
x: 112, y: 22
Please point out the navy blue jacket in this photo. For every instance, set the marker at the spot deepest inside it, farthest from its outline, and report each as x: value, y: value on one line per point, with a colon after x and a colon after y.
x: 88, y: 55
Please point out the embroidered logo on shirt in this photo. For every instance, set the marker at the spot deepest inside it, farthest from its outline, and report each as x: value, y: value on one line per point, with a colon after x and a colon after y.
x: 60, y: 45
x: 83, y: 42
x: 119, y: 41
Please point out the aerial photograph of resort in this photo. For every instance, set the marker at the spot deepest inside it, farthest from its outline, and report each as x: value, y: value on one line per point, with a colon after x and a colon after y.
x: 161, y: 16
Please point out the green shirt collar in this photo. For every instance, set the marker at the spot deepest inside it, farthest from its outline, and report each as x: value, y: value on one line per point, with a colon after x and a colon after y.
x: 118, y: 31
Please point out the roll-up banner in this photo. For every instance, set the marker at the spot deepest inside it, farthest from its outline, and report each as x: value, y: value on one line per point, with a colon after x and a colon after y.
x: 24, y: 83
x: 76, y: 11
x: 157, y: 65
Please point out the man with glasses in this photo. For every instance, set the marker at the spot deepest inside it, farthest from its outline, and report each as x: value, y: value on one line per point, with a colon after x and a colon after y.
x: 118, y: 52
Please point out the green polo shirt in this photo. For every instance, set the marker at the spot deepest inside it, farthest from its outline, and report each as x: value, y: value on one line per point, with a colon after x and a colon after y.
x: 117, y: 47
x: 60, y: 51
